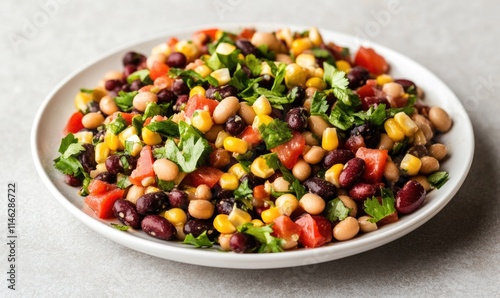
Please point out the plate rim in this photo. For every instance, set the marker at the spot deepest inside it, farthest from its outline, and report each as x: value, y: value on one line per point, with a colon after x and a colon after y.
x: 243, y: 261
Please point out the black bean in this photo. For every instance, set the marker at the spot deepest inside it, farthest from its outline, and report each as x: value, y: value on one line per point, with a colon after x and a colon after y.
x: 158, y: 227
x: 180, y: 87
x: 126, y: 212
x: 253, y: 180
x: 106, y: 177
x: 180, y: 102
x: 221, y: 92
x: 370, y: 134
x: 235, y: 125
x: 111, y: 85
x: 357, y: 77
x: 242, y: 243
x: 87, y: 158
x: 337, y: 156
x: 177, y: 60
x: 72, y: 181
x: 197, y: 226
x: 321, y: 187
x: 93, y: 107
x: 133, y: 58
x: 165, y: 96
x: 297, y: 95
x: 152, y: 203
x: 99, y: 136
x: 178, y: 199
x: 266, y: 82
x: 296, y: 118
x: 136, y: 85
x: 219, y: 193
x: 225, y: 206
x: 246, y: 47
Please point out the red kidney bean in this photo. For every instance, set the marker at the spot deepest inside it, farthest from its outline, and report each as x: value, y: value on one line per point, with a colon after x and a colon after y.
x: 165, y: 96
x: 152, y: 203
x: 410, y: 197
x: 181, y: 100
x: 321, y: 187
x: 198, y: 226
x: 223, y: 91
x: 352, y: 172
x: 133, y: 58
x: 72, y: 181
x: 361, y: 191
x: 180, y: 88
x: 126, y: 213
x: 337, y: 156
x: 158, y: 227
x: 353, y: 143
x: 178, y: 199
x: 176, y: 59
x: 242, y: 243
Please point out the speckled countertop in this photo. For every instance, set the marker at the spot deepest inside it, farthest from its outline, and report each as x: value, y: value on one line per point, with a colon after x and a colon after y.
x: 457, y: 253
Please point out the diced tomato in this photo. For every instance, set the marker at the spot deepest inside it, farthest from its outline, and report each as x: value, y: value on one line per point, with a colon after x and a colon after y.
x: 172, y: 41
x: 203, y: 175
x: 126, y: 116
x: 97, y: 187
x: 285, y: 228
x: 159, y: 69
x: 246, y: 33
x: 211, y: 32
x: 375, y: 160
x: 369, y: 59
x: 260, y: 193
x: 199, y: 102
x: 74, y: 124
x: 289, y: 152
x: 316, y: 230
x: 144, y: 167
x: 102, y: 203
x: 366, y: 91
x: 251, y: 135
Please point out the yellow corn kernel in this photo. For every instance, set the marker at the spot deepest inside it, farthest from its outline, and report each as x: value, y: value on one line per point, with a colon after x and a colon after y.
x: 222, y: 76
x: 299, y: 45
x: 150, y: 137
x: 101, y: 152
x: 225, y: 48
x: 318, y: 72
x: 237, y: 170
x: 315, y: 36
x: 237, y: 145
x: 409, y: 127
x: 228, y: 181
x: 176, y: 216
x: 203, y: 70
x: 238, y: 217
x: 261, y: 119
x: 202, y: 120
x: 197, y: 90
x: 260, y: 168
x: 317, y: 83
x: 295, y: 75
x: 223, y: 225
x: 149, y: 187
x: 330, y: 140
x: 332, y: 174
x: 82, y: 99
x: 262, y: 106
x: 257, y: 223
x: 410, y: 164
x: 269, y: 215
x: 343, y: 65
x: 84, y: 136
x: 126, y: 133
x: 221, y: 136
x: 306, y: 61
x: 393, y: 130
x: 112, y: 140
x: 383, y: 79
x: 189, y: 49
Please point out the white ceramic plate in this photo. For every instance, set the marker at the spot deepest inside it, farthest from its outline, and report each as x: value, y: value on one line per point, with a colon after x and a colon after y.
x: 58, y: 106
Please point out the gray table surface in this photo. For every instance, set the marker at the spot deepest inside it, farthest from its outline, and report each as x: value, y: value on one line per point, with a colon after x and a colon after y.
x: 457, y: 253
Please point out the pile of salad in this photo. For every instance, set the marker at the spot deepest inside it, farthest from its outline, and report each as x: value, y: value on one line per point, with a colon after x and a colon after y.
x: 253, y: 141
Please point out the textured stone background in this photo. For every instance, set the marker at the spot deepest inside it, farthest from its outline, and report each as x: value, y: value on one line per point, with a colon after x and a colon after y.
x: 457, y: 253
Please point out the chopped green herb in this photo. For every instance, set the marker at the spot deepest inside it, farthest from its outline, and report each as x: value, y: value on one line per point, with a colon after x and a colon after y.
x: 336, y: 210
x: 124, y: 100
x: 166, y: 128
x: 166, y: 185
x: 244, y: 194
x: 142, y: 75
x: 268, y: 243
x: 438, y: 179
x: 122, y: 181
x: 201, y: 241
x: 88, y: 91
x: 275, y: 133
x: 379, y: 210
x: 120, y: 227
x: 117, y: 125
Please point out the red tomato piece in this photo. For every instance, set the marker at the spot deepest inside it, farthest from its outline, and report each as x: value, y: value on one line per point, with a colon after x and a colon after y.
x: 365, y: 91
x: 203, y: 175
x: 375, y: 160
x: 102, y: 204
x: 199, y: 102
x: 74, y: 124
x: 286, y: 229
x: 126, y: 116
x: 144, y: 167
x: 260, y: 193
x: 251, y: 135
x: 246, y: 33
x: 159, y: 69
x: 289, y: 152
x: 211, y: 32
x: 316, y: 230
x: 97, y: 187
x: 369, y: 59
x: 172, y: 41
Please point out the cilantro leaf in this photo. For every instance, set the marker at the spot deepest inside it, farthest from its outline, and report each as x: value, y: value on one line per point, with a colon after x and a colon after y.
x: 117, y: 125
x: 268, y: 243
x: 323, y: 54
x: 152, y: 109
x: 254, y: 64
x: 66, y: 142
x: 334, y: 77
x: 72, y: 150
x: 438, y: 179
x: 69, y: 166
x: 298, y: 188
x: 275, y: 133
x: 319, y: 104
x: 124, y: 100
x: 88, y: 91
x: 244, y: 194
x: 119, y: 227
x: 166, y: 185
x: 142, y: 75
x: 379, y: 210
x: 278, y: 87
x: 273, y: 162
x: 336, y: 210
x: 239, y: 79
x: 167, y: 128
x: 191, y: 77
x: 137, y: 123
x: 122, y: 181
x: 68, y: 162
x: 200, y: 241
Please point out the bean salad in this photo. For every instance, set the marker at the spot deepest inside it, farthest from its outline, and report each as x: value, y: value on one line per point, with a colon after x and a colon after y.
x: 253, y: 141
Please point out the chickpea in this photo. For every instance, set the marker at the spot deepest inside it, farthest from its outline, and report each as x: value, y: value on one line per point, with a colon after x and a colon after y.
x: 203, y: 192
x: 134, y: 193
x: 349, y: 203
x: 429, y: 165
x: 142, y: 99
x: 312, y: 203
x: 301, y: 170
x: 438, y: 151
x: 365, y: 225
x: 287, y: 203
x: 391, y: 172
x: 113, y: 75
x: 224, y: 241
x: 107, y: 105
x: 314, y: 155
x: 385, y: 142
x: 284, y: 58
x: 211, y: 135
x: 311, y: 140
x: 423, y: 181
x: 228, y: 107
x: 280, y: 185
x: 268, y: 39
x: 317, y: 125
x: 346, y: 229
x: 424, y: 125
x: 393, y: 90
x: 180, y: 233
x: 165, y: 169
x: 92, y: 120
x: 201, y: 209
x: 247, y: 113
x: 155, y: 57
x: 440, y: 119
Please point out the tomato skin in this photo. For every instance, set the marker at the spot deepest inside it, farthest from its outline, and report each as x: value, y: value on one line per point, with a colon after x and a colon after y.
x: 246, y: 33
x: 365, y: 91
x: 371, y: 60
x: 203, y: 175
x: 102, y: 203
x: 159, y: 69
x: 98, y: 187
x: 199, y: 102
x: 375, y: 160
x: 285, y: 228
x: 260, y: 193
x: 211, y: 32
x: 251, y: 135
x: 74, y: 124
x: 316, y: 230
x: 289, y: 152
x: 144, y: 168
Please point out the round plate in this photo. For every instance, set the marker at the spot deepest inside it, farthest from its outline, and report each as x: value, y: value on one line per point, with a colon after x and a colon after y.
x: 58, y: 106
